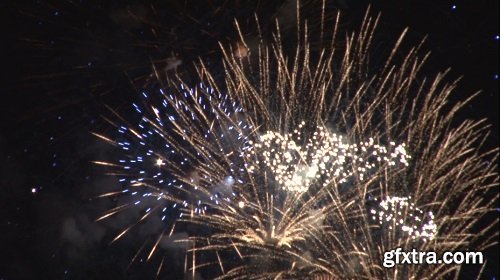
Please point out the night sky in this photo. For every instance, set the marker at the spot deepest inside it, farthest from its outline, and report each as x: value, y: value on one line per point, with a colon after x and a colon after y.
x: 65, y: 62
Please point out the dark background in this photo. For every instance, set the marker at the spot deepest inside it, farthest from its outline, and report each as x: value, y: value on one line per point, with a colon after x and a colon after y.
x: 63, y: 61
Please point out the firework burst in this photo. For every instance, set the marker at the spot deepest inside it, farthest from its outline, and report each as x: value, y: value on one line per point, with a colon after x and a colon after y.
x: 312, y: 164
x: 183, y: 156
x: 324, y: 158
x: 314, y: 206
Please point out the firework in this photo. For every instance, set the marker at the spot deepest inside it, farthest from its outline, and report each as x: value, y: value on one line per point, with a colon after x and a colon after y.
x: 312, y: 206
x: 310, y: 163
x: 183, y: 155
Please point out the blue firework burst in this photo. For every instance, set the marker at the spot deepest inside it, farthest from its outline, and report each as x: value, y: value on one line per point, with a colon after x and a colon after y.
x: 183, y: 154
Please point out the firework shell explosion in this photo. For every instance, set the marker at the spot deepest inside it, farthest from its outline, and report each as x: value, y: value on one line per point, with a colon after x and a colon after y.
x: 308, y: 163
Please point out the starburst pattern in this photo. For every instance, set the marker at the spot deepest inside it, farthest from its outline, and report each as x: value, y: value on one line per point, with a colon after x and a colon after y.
x: 299, y: 217
x: 181, y: 156
x: 307, y: 197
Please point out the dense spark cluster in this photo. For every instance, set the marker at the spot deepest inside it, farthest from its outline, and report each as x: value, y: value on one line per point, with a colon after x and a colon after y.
x: 400, y: 213
x: 325, y: 158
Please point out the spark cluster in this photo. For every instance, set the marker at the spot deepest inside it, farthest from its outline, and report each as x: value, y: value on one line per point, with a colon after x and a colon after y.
x: 325, y: 158
x: 400, y: 213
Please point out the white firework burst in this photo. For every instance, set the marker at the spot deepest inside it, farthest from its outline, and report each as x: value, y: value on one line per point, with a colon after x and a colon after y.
x: 325, y: 158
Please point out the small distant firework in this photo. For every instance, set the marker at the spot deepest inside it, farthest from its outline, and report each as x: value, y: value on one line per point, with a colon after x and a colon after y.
x: 400, y: 213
